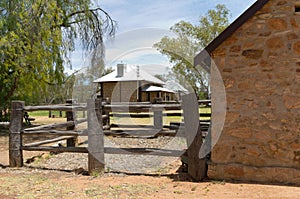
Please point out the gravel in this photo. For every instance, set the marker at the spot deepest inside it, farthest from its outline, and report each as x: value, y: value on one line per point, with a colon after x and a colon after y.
x: 143, y: 164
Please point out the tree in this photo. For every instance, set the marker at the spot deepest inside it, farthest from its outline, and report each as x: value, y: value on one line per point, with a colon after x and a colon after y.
x: 36, y: 37
x: 190, y: 40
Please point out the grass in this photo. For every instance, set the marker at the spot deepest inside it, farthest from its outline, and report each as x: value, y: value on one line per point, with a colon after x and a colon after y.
x: 119, y: 120
x: 45, y: 113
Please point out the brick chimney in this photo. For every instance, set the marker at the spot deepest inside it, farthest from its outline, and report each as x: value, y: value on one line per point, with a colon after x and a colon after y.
x: 120, y: 70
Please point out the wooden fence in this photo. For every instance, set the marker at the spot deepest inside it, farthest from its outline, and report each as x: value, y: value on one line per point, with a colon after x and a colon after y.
x: 98, y: 125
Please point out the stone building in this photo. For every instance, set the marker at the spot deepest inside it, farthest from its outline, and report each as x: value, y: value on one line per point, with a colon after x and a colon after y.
x: 258, y: 60
x: 133, y: 86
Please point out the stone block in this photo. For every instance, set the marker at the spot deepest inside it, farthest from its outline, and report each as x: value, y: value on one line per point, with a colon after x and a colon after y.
x: 234, y: 171
x: 275, y: 43
x: 240, y: 132
x: 277, y: 24
x: 291, y: 102
x: 296, y: 48
x: 252, y: 53
x: 263, y: 135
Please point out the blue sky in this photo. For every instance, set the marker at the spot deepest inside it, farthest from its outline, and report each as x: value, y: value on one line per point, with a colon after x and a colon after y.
x: 141, y: 23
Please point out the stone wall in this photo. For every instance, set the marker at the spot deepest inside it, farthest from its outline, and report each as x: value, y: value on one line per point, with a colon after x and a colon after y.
x: 260, y: 67
x: 120, y: 91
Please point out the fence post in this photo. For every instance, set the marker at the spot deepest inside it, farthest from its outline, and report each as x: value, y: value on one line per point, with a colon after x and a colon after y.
x: 15, y: 135
x: 96, y: 162
x: 196, y: 166
x: 158, y: 118
x: 71, y: 116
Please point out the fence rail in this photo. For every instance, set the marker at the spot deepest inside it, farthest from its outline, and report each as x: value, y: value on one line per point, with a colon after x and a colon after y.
x: 98, y: 125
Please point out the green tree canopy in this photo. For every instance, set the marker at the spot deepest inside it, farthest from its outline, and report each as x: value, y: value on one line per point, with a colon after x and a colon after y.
x: 190, y: 40
x: 36, y: 38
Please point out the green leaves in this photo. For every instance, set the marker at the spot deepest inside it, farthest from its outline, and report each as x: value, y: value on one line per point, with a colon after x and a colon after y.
x: 190, y: 40
x: 35, y: 40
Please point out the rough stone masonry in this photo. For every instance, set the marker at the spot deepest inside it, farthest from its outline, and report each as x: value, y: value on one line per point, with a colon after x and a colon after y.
x: 260, y: 67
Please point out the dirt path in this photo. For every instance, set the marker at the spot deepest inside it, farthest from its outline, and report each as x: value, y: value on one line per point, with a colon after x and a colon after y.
x: 42, y: 183
x: 26, y: 183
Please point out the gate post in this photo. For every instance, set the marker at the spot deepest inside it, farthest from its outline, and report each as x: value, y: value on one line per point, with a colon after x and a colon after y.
x: 15, y: 135
x: 158, y: 118
x: 96, y: 162
x: 196, y: 166
x: 71, y: 116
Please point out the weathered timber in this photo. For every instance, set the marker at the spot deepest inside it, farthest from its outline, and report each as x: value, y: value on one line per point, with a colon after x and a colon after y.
x: 158, y: 118
x: 123, y: 126
x: 71, y: 116
x: 142, y: 133
x: 105, y: 114
x: 56, y: 149
x: 58, y: 125
x: 139, y: 107
x: 55, y: 108
x: 95, y: 137
x: 144, y: 151
x: 110, y: 150
x: 149, y: 115
x: 57, y: 132
x: 15, y: 136
x: 48, y: 141
x: 196, y: 166
x: 132, y: 115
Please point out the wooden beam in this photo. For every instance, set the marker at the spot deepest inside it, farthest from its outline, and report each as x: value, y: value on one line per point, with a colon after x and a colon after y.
x: 110, y: 150
x: 57, y: 132
x: 144, y: 151
x: 58, y: 125
x: 158, y: 118
x: 125, y: 107
x: 15, y: 136
x: 55, y: 108
x: 95, y: 137
x: 196, y: 166
x: 56, y: 149
x: 71, y: 116
x: 128, y: 126
x: 48, y: 141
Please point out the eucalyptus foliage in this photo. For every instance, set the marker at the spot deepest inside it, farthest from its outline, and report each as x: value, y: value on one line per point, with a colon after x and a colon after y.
x: 190, y: 40
x: 36, y: 38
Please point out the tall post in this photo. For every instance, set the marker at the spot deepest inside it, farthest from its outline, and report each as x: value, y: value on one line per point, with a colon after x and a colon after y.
x: 105, y: 121
x: 15, y: 135
x: 96, y: 162
x: 158, y: 118
x: 196, y: 166
x: 71, y: 116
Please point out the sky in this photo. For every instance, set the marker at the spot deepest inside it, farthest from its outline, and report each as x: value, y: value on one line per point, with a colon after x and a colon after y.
x: 142, y: 23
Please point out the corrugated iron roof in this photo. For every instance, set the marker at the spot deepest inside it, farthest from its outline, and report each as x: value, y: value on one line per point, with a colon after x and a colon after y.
x: 156, y: 88
x: 130, y: 76
x: 175, y: 86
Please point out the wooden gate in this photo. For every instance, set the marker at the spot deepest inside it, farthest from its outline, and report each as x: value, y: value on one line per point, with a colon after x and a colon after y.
x: 98, y: 125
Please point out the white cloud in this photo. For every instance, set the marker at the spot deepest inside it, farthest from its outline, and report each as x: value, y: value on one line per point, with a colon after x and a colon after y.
x: 134, y: 18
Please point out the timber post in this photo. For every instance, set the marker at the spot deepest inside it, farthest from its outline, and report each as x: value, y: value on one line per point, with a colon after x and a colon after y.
x: 158, y: 118
x: 106, y: 120
x: 71, y: 116
x: 96, y: 163
x: 15, y: 134
x: 196, y: 166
